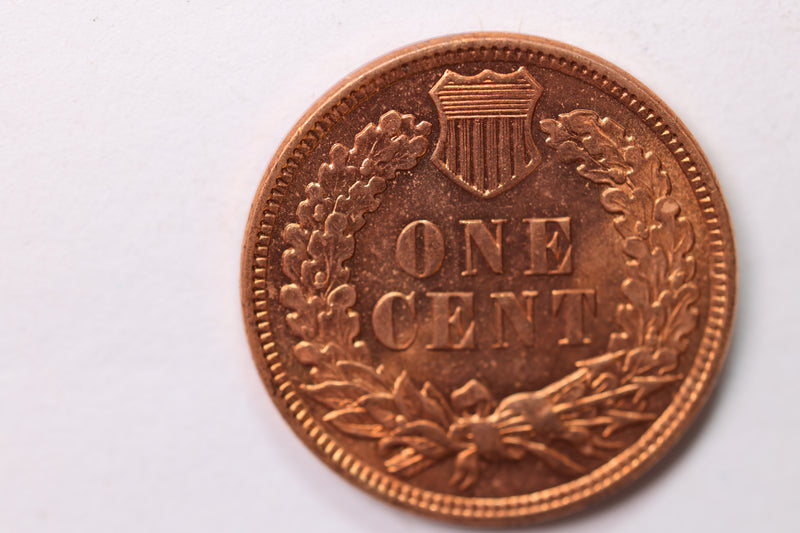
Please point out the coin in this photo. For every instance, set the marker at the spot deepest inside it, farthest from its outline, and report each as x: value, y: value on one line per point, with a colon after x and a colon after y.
x: 489, y: 278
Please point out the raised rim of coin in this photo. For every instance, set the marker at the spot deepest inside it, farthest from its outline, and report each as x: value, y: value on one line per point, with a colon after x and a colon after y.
x: 616, y: 84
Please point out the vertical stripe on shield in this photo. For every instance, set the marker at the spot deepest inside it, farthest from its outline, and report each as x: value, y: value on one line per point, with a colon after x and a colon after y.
x: 504, y: 151
x: 486, y: 152
x: 485, y: 142
x: 491, y: 153
x: 518, y: 145
x: 452, y: 146
x: 477, y: 154
x: 464, y: 149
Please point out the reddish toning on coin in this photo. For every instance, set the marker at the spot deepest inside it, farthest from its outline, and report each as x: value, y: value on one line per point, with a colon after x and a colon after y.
x: 489, y: 278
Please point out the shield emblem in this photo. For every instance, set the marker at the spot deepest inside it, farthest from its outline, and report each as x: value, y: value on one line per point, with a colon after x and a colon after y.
x: 485, y: 141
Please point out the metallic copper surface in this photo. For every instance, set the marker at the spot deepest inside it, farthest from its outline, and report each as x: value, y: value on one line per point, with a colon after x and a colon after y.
x: 490, y: 278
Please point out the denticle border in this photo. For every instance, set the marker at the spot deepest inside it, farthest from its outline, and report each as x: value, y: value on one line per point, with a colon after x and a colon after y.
x: 556, y: 499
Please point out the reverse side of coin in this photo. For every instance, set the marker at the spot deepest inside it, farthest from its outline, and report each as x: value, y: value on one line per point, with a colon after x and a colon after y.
x: 490, y: 278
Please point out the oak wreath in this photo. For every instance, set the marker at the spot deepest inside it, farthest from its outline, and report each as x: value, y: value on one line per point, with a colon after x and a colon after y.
x: 418, y: 426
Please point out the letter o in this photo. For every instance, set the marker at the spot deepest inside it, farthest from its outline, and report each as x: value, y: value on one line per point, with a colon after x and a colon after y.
x: 432, y: 249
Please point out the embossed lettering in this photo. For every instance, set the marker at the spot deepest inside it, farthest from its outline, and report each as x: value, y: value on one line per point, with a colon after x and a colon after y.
x: 570, y: 303
x: 384, y: 324
x: 420, y: 249
x: 490, y: 247
x: 557, y: 241
x: 506, y: 304
x: 452, y: 329
x: 369, y: 405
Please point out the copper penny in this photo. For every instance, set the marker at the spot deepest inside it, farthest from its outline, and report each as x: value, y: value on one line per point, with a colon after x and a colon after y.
x: 489, y: 278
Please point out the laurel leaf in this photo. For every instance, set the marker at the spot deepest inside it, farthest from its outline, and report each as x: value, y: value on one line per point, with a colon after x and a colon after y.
x: 335, y: 394
x: 361, y: 199
x: 324, y: 372
x: 363, y: 143
x: 637, y: 293
x: 656, y: 321
x: 342, y: 296
x: 407, y: 462
x: 638, y: 361
x: 682, y: 272
x: 408, y: 399
x: 332, y: 352
x: 362, y: 374
x: 407, y: 154
x: 557, y: 132
x: 465, y: 473
x: 426, y: 429
x: 686, y: 236
x: 604, y: 149
x: 395, y: 144
x: 581, y: 122
x: 307, y: 353
x: 601, y: 139
x: 423, y: 436
x: 600, y: 146
x: 359, y: 350
x: 685, y: 317
x: 614, y: 200
x: 390, y: 122
x: 570, y: 152
x: 328, y: 248
x: 603, y: 382
x: 302, y: 321
x: 385, y: 150
x: 381, y: 407
x: 636, y: 248
x: 293, y: 257
x: 556, y: 460
x: 640, y: 210
x: 649, y: 384
x: 658, y: 270
x: 436, y: 405
x: 336, y: 175
x: 356, y: 422
x: 601, y: 174
x: 416, y: 406
x: 613, y: 131
x: 633, y: 155
x: 292, y: 296
x: 688, y: 265
x: 339, y: 324
x: 306, y: 208
x: 648, y: 176
x: 620, y: 419
x: 417, y: 146
x: 666, y: 360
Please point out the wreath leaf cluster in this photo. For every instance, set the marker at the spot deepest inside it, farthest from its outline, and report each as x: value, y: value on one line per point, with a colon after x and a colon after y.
x: 416, y: 427
x: 320, y: 296
x: 659, y: 312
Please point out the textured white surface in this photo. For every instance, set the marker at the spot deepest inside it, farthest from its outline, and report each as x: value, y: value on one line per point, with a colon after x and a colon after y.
x: 132, y: 139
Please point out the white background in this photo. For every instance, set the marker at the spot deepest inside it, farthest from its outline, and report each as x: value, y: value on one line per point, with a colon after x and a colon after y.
x: 132, y: 139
